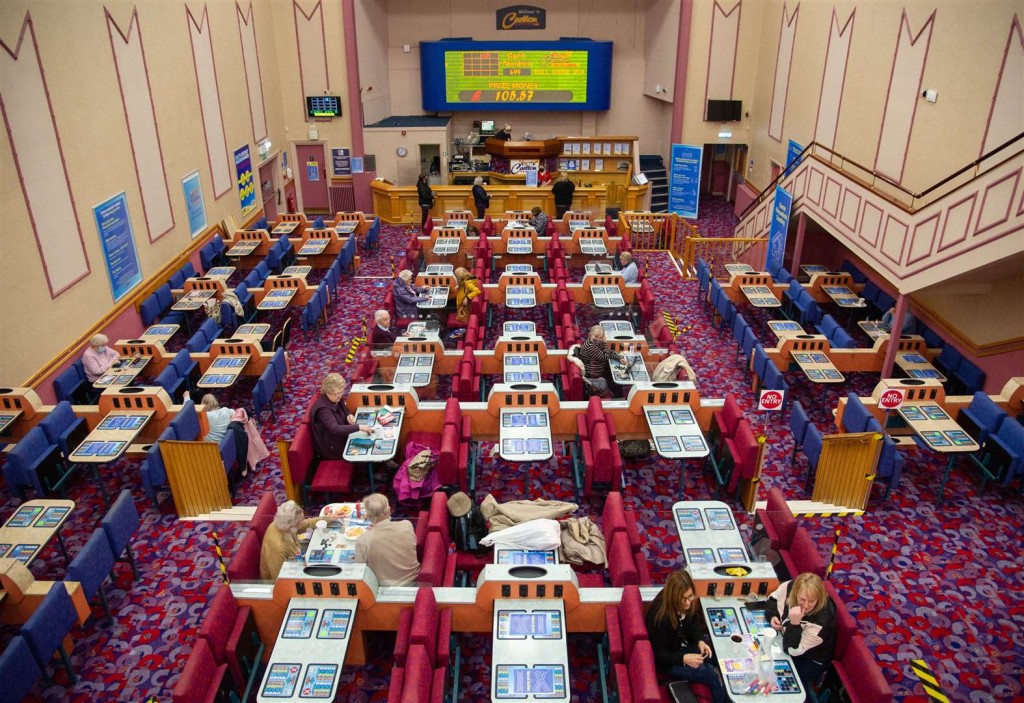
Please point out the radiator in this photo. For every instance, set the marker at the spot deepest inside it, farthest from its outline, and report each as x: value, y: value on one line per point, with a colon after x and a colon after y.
x: 343, y: 198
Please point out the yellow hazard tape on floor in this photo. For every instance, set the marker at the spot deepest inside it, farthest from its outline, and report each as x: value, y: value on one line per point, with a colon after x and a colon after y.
x: 844, y: 513
x: 928, y: 681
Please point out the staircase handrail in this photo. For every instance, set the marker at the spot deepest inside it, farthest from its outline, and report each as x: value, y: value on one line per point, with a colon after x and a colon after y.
x: 871, y: 183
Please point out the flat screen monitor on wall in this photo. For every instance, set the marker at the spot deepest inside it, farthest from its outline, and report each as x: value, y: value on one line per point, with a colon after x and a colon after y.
x: 533, y: 75
x: 487, y: 127
x: 724, y: 111
x: 323, y: 105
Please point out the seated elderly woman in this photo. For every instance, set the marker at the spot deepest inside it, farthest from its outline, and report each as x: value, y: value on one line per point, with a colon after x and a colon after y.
x: 99, y: 358
x: 595, y: 355
x: 381, y: 335
x: 281, y: 542
x: 407, y: 294
x: 804, y: 613
x: 388, y: 548
x: 330, y: 422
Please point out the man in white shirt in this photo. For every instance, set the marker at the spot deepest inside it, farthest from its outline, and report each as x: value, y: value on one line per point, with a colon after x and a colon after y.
x: 629, y: 270
x: 388, y: 548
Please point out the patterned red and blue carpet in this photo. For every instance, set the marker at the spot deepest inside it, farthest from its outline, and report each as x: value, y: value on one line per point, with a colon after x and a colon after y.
x: 943, y: 584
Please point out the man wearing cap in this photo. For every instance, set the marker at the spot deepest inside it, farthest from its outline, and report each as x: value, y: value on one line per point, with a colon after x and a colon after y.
x: 388, y: 548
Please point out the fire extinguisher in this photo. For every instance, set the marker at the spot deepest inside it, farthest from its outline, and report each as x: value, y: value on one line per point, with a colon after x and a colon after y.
x: 291, y: 202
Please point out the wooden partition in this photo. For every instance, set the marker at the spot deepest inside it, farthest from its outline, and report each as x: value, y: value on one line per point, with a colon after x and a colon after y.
x: 847, y: 468
x: 195, y: 472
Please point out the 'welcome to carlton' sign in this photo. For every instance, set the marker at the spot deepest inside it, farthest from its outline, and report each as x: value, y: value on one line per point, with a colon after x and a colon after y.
x: 521, y: 17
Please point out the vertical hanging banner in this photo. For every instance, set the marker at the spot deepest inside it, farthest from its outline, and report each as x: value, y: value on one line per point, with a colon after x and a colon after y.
x: 194, y: 205
x: 793, y: 156
x: 114, y: 225
x: 246, y: 183
x: 779, y: 228
x: 684, y: 180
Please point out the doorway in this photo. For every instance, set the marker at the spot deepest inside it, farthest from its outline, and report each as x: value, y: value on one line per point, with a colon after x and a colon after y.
x: 430, y: 162
x: 312, y: 167
x: 268, y: 190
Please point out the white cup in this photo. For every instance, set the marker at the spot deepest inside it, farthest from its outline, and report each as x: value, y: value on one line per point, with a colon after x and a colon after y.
x: 768, y: 638
x: 321, y: 525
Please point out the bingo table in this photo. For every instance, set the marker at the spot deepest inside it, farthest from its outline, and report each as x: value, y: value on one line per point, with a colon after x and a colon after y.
x: 760, y: 296
x: 874, y: 329
x: 735, y: 269
x: 844, y: 297
x: 310, y: 650
x: 222, y: 272
x: 915, y: 365
x: 159, y: 333
x: 380, y: 445
x: 7, y: 418
x: 514, y: 327
x: 32, y: 526
x: 415, y: 370
x: 520, y: 297
x: 708, y: 533
x: 525, y: 434
x: 519, y: 245
x: 437, y: 298
x: 439, y: 270
x: 599, y: 269
x: 735, y: 625
x: 110, y: 439
x: 618, y: 329
x: 285, y: 228
x: 813, y: 269
x: 122, y: 373
x: 277, y: 299
x: 593, y: 246
x: 516, y: 557
x: 516, y: 269
x: 938, y: 432
x: 223, y: 372
x: 607, y: 296
x: 631, y: 369
x: 335, y: 542
x: 529, y: 659
x: 446, y: 246
x: 300, y: 271
x: 521, y: 368
x: 252, y: 332
x: 193, y: 300
x: 243, y: 248
x: 346, y: 227
x: 423, y: 328
x: 312, y: 247
x: 817, y: 367
x: 675, y: 431
x: 785, y: 328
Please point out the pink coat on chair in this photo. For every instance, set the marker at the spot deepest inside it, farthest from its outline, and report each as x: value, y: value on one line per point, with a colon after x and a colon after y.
x: 406, y: 489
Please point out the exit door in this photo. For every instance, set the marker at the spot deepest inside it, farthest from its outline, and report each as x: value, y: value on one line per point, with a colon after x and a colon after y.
x: 312, y: 166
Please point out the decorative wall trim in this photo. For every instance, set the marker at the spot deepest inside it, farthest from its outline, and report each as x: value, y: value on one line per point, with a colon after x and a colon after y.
x: 1008, y: 95
x: 722, y: 50
x: 311, y: 45
x: 32, y: 127
x: 833, y: 80
x: 209, y: 102
x: 140, y: 118
x: 253, y: 74
x: 783, y: 65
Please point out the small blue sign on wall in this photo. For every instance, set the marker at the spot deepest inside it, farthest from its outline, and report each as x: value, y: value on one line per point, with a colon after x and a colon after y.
x: 684, y: 180
x: 246, y: 183
x: 118, y: 241
x: 194, y: 204
x: 779, y: 228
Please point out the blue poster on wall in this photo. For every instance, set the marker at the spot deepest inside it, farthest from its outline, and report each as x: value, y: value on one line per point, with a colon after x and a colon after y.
x: 342, y: 164
x: 118, y: 241
x: 779, y: 228
x: 684, y: 180
x: 194, y: 205
x: 246, y: 183
x: 793, y: 156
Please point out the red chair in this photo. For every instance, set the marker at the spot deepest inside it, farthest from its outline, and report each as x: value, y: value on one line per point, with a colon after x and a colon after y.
x: 846, y: 626
x: 615, y: 518
x: 610, y: 226
x: 427, y: 626
x: 202, y: 680
x: 778, y: 520
x: 245, y: 562
x: 625, y: 625
x: 329, y: 475
x: 454, y: 463
x: 638, y: 682
x: 602, y: 462
x: 740, y: 457
x: 437, y: 568
x: 571, y: 379
x: 802, y: 555
x: 660, y: 332
x: 861, y: 676
x: 438, y: 522
x: 487, y: 229
x: 264, y: 515
x: 230, y: 631
x: 428, y: 226
x: 723, y: 423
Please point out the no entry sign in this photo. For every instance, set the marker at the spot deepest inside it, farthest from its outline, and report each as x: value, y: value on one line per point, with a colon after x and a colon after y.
x: 770, y: 400
x: 891, y: 399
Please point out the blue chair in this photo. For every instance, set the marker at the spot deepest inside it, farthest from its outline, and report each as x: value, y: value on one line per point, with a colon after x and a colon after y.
x: 228, y: 319
x: 931, y: 338
x: 841, y: 339
x: 186, y: 423
x: 746, y: 348
x: 827, y: 326
x: 287, y: 252
x: 739, y: 323
x: 791, y: 295
x: 968, y: 378
x: 35, y: 462
x: 261, y: 223
x: 948, y: 360
x: 19, y: 670
x: 318, y: 223
x: 71, y: 384
x: 229, y: 454
x: 219, y: 248
x: 1002, y: 457
x: 774, y: 380
x: 188, y: 270
x: 245, y: 297
x: 784, y: 276
x: 703, y: 280
x: 890, y: 461
x: 856, y: 416
x: 166, y: 300
x: 46, y: 628
x: 207, y: 256
x: 63, y: 428
x: 805, y: 308
x: 152, y: 471
x: 812, y: 450
x: 261, y: 271
x: 197, y: 343
x: 149, y: 310
x: 120, y: 525
x: 981, y: 418
x: 186, y: 366
x: 726, y: 310
x: 177, y: 280
x: 262, y: 398
x: 91, y: 566
x: 848, y: 267
x: 280, y: 363
x: 883, y: 301
x: 170, y: 381
x: 211, y: 330
x: 274, y: 260
x: 798, y: 424
x: 760, y: 365
x: 252, y: 279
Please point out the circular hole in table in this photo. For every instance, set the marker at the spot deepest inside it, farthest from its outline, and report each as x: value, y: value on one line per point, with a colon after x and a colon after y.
x: 665, y: 384
x: 521, y: 339
x: 234, y: 340
x: 723, y: 569
x: 130, y: 390
x: 380, y: 387
x: 622, y: 336
x: 528, y: 572
x: 136, y: 341
x: 5, y: 391
x: 322, y: 570
x: 417, y: 339
x: 805, y: 336
x: 523, y: 387
x: 910, y: 381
